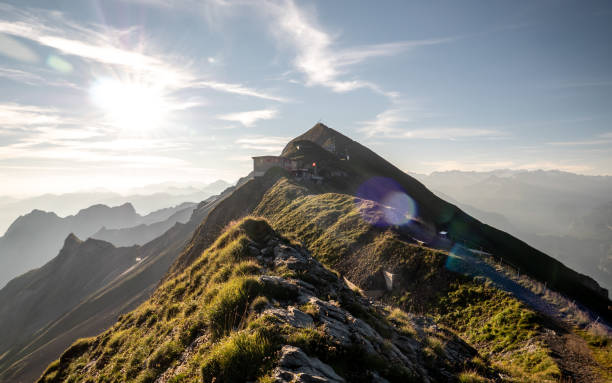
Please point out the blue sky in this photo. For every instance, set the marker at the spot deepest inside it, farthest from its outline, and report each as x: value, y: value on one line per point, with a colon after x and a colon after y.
x: 119, y: 94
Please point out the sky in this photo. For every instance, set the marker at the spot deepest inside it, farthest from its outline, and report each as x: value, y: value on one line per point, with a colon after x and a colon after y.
x: 117, y: 94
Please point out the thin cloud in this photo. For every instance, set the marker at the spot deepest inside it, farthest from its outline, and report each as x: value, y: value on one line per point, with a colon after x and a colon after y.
x: 249, y: 118
x: 449, y: 133
x: 583, y: 84
x: 386, y: 122
x: 270, y: 144
x: 88, y: 43
x: 319, y: 58
x: 14, y: 115
x: 394, y: 122
x: 103, y: 45
x: 33, y: 79
x: 43, y: 133
x: 484, y: 166
x: 76, y: 145
x: 16, y: 50
x: 601, y: 139
x: 237, y: 89
x: 359, y: 54
x: 474, y: 166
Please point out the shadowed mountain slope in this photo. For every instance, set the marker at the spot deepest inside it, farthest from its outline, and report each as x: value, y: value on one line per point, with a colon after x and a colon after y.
x: 143, y: 233
x: 20, y: 253
x: 29, y: 302
x: 432, y: 213
x: 120, y: 279
x: 565, y: 215
x: 515, y: 323
x: 363, y: 164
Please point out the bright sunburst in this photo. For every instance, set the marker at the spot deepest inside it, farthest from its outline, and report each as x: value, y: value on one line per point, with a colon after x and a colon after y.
x: 130, y: 105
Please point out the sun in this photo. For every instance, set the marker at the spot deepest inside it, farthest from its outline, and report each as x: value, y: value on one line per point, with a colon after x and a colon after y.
x: 130, y: 105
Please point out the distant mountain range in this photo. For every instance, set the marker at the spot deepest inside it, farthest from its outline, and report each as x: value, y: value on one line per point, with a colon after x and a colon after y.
x: 149, y: 229
x: 82, y: 290
x: 35, y: 238
x: 566, y: 215
x: 144, y: 199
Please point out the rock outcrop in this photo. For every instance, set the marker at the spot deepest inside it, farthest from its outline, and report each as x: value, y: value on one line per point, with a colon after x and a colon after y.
x: 255, y: 306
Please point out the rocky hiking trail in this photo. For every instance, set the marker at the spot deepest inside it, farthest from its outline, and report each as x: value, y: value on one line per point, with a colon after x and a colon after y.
x: 337, y: 323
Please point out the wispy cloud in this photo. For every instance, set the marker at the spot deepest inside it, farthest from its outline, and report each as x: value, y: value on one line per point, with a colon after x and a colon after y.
x: 476, y: 166
x: 92, y: 43
x: 483, y: 166
x: 601, y: 139
x: 270, y: 144
x: 386, y: 123
x: 237, y: 89
x: 34, y: 79
x: 583, y: 84
x: 14, y: 115
x: 105, y: 46
x: 91, y: 147
x: 16, y: 50
x: 396, y: 123
x: 43, y: 133
x: 251, y: 117
x: 317, y: 53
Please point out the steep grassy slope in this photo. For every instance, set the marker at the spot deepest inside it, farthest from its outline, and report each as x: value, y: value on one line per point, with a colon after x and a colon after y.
x: 232, y: 206
x: 86, y: 312
x: 254, y: 307
x: 248, y: 305
x: 363, y: 165
x: 27, y: 304
x: 336, y: 228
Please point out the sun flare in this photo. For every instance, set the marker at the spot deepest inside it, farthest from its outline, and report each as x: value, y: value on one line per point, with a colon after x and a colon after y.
x: 130, y: 105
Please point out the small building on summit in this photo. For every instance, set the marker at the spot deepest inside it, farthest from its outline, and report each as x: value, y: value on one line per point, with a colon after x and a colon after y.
x: 261, y: 164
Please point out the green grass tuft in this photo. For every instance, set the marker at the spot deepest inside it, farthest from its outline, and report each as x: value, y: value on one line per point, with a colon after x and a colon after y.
x: 238, y: 358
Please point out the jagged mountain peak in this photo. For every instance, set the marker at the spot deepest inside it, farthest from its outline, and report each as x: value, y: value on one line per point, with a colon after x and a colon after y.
x: 71, y: 240
x: 325, y: 137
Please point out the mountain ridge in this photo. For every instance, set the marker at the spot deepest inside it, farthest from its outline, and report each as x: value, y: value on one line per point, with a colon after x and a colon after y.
x: 358, y: 235
x: 447, y: 213
x: 97, y: 310
x: 20, y: 254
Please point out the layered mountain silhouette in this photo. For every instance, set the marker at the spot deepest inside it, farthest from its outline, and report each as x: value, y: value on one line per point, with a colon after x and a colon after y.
x: 335, y: 275
x: 35, y: 238
x: 145, y: 199
x: 81, y: 292
x: 144, y: 232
